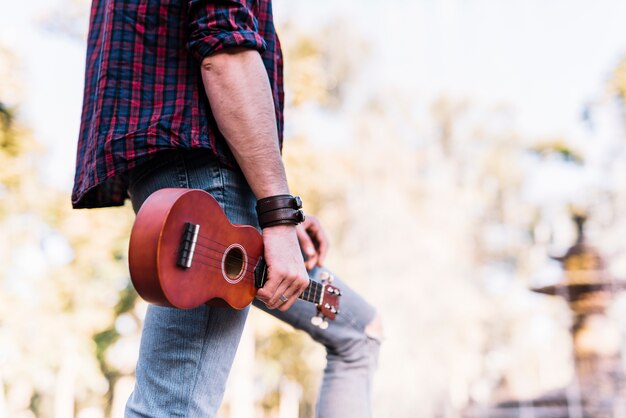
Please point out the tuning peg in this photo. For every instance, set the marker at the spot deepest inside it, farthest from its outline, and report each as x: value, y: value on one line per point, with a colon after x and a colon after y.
x: 333, y: 290
x: 323, y: 325
x: 317, y: 321
x: 325, y: 276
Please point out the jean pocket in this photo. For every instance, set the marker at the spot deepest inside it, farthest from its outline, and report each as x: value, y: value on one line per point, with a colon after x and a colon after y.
x: 149, y: 166
x: 161, y: 171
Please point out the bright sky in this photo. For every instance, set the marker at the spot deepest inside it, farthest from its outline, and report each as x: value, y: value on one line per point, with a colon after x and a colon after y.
x: 544, y: 57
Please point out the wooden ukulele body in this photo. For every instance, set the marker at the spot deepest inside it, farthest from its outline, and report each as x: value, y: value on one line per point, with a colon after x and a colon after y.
x: 224, y: 257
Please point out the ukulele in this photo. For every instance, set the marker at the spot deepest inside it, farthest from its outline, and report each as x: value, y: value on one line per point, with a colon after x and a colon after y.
x: 185, y: 252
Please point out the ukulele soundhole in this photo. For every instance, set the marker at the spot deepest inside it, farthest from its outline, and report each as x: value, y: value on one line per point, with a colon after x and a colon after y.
x: 234, y: 263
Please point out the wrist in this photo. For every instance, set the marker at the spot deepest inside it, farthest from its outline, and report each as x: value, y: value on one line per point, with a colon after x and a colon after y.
x: 279, y: 229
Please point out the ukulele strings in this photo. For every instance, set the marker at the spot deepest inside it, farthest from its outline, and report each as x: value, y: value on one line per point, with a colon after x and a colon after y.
x: 233, y: 256
x: 312, y: 289
x: 234, y: 262
x: 228, y: 263
x: 221, y: 245
x: 206, y: 237
x: 247, y: 273
x: 219, y: 261
x: 219, y: 268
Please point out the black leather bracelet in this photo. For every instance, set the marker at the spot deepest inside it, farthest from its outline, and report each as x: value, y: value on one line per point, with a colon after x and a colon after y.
x: 279, y: 210
x: 285, y: 216
x: 278, y: 202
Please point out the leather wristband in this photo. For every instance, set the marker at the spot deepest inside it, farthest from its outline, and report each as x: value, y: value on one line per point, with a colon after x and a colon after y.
x: 286, y: 216
x: 278, y: 202
x: 279, y: 210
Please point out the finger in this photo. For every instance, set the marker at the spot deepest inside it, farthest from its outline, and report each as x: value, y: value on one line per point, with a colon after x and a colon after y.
x: 292, y: 294
x: 274, y: 301
x: 269, y: 289
x: 291, y: 289
x: 308, y: 248
x: 285, y: 306
x: 322, y: 251
x: 266, y: 292
x: 281, y: 287
x: 321, y: 242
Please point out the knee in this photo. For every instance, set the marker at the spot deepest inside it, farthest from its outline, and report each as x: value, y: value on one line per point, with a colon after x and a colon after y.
x: 374, y: 329
x: 359, y: 348
x: 374, y: 336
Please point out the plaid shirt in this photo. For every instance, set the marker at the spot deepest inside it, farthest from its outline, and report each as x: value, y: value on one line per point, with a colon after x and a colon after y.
x: 143, y: 89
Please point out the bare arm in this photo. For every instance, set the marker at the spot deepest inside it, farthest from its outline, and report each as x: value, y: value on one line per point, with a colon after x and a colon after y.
x: 241, y: 100
x: 238, y: 90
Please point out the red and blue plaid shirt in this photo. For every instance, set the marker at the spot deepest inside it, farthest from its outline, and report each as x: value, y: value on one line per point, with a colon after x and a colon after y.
x: 143, y: 89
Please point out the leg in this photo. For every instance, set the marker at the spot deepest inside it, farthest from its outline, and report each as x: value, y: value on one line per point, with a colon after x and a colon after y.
x: 186, y: 355
x: 352, y: 342
x: 184, y: 361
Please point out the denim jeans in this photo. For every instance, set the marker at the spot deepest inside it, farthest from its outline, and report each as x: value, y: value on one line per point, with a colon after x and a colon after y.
x: 186, y: 355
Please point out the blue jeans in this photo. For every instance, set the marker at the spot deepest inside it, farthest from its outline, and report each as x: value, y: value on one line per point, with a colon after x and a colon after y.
x: 186, y: 355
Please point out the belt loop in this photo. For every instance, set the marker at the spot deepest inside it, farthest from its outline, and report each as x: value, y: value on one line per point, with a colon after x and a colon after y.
x: 183, y: 173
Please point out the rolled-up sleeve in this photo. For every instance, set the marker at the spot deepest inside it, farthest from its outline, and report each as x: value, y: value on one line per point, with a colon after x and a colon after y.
x: 215, y: 25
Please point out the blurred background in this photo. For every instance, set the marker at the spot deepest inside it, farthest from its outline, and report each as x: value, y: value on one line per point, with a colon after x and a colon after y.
x: 467, y: 157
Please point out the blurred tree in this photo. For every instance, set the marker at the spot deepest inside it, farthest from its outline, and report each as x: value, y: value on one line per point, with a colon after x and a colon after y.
x: 319, y: 65
x: 61, y: 276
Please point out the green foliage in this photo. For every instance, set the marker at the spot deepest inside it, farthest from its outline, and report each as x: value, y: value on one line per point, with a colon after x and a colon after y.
x: 5, y: 116
x: 71, y: 301
x: 128, y: 298
x: 558, y: 147
x: 8, y: 143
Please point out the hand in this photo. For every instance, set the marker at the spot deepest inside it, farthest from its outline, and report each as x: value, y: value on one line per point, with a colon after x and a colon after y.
x: 286, y: 274
x: 313, y: 241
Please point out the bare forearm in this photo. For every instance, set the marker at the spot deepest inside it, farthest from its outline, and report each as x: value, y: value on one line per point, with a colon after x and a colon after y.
x: 238, y: 89
x: 241, y: 100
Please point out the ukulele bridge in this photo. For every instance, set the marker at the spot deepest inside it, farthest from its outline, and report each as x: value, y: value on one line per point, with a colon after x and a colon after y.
x: 188, y: 245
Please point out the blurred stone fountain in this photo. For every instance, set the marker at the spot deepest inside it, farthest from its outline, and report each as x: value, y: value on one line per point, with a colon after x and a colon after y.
x: 598, y: 387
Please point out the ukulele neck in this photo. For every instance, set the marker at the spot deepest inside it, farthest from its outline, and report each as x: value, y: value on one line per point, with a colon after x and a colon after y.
x: 313, y: 292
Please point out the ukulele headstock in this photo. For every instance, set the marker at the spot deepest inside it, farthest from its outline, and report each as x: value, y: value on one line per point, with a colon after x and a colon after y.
x: 328, y: 307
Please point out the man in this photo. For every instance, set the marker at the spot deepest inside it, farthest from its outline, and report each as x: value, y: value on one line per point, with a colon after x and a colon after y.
x: 189, y: 94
